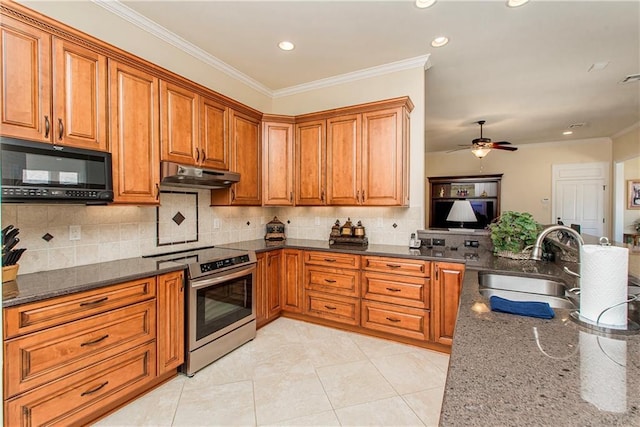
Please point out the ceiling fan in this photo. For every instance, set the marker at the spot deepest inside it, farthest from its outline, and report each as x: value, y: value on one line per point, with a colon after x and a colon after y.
x: 480, y: 147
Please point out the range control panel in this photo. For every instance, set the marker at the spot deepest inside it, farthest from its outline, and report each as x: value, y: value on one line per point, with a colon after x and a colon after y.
x: 54, y: 193
x: 223, y: 263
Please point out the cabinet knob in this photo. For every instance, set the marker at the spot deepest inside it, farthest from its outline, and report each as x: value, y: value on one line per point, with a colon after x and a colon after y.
x: 157, y: 191
x: 197, y: 155
x: 60, y: 129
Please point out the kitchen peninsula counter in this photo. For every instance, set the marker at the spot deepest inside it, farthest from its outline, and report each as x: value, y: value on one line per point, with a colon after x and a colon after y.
x: 499, y: 375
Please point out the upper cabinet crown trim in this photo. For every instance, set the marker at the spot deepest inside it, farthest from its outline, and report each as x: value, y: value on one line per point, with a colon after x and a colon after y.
x: 60, y: 30
x: 403, y: 101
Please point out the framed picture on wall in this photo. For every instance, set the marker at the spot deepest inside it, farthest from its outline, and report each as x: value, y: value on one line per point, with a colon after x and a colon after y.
x: 633, y: 193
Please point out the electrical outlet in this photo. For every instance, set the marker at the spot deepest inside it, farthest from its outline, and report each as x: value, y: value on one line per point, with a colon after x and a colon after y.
x: 216, y: 223
x: 75, y: 232
x: 438, y: 242
x: 471, y: 244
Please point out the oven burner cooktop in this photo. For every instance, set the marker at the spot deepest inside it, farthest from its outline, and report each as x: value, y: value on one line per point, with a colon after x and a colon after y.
x: 207, y: 260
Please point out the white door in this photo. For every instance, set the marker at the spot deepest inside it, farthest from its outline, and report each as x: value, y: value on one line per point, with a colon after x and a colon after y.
x: 579, y: 196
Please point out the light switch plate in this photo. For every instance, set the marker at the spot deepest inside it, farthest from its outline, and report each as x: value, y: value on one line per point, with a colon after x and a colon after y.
x: 216, y: 224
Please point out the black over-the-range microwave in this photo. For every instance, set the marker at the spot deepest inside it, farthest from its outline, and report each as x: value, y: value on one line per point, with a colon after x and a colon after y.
x: 39, y: 172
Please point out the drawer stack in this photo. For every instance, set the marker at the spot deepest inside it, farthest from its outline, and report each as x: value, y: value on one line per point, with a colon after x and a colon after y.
x: 72, y: 355
x: 396, y: 296
x: 332, y: 286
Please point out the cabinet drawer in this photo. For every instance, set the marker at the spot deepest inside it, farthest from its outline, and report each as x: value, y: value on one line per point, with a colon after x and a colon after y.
x: 332, y: 280
x: 56, y: 311
x: 333, y: 307
x: 44, y: 356
x: 77, y: 399
x: 408, y: 267
x: 396, y: 289
x: 403, y: 321
x: 332, y: 259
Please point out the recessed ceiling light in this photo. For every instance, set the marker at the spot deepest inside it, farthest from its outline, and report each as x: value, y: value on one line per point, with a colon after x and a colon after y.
x: 516, y: 3
x: 439, y: 41
x: 423, y: 4
x: 567, y: 132
x: 285, y: 45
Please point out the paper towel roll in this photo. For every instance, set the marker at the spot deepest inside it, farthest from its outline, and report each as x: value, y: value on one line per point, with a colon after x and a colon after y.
x: 603, y: 372
x: 604, y: 274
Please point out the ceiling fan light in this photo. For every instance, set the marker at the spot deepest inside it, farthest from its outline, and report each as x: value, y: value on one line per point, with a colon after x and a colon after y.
x: 480, y: 152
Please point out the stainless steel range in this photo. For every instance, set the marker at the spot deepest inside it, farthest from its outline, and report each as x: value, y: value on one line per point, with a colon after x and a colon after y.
x: 220, y: 303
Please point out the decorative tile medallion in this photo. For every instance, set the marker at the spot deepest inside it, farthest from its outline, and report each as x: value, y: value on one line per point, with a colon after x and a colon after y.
x: 177, y: 218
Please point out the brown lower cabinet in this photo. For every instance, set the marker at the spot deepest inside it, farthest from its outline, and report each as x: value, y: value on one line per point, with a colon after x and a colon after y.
x: 408, y: 300
x: 268, y: 289
x: 71, y: 359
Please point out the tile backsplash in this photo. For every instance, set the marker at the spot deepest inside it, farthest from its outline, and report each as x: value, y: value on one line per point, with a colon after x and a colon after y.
x: 116, y: 232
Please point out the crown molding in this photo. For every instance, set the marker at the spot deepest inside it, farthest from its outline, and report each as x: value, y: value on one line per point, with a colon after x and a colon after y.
x: 157, y: 30
x: 405, y: 64
x: 173, y: 39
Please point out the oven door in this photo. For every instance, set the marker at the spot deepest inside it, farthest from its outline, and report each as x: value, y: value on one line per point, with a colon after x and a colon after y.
x: 220, y: 303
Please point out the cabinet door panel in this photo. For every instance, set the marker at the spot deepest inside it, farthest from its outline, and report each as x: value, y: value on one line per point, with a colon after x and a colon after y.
x: 79, y: 96
x: 261, y: 290
x: 396, y: 289
x: 25, y: 84
x: 178, y: 123
x: 403, y: 321
x: 383, y: 160
x: 448, y: 284
x: 344, y: 147
x: 332, y: 307
x: 278, y: 164
x: 134, y: 134
x: 170, y: 321
x: 274, y: 280
x: 292, y: 280
x: 310, y: 164
x: 214, y: 134
x: 332, y: 280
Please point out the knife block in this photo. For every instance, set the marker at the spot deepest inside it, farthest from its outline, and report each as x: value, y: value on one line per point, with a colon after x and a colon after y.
x: 10, y: 273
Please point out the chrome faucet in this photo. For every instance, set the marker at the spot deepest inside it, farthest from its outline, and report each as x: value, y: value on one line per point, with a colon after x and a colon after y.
x: 536, y: 253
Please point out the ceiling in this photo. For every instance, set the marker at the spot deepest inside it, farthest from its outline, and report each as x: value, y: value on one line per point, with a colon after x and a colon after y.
x: 523, y: 70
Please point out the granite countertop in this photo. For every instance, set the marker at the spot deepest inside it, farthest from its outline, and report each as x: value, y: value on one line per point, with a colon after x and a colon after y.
x: 48, y: 284
x: 499, y: 375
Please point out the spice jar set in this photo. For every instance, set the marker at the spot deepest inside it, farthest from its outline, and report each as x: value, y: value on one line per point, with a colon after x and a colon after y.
x: 348, y: 234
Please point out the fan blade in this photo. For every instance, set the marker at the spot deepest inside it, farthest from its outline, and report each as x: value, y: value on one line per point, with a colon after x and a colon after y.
x: 462, y: 147
x: 502, y: 143
x: 500, y: 147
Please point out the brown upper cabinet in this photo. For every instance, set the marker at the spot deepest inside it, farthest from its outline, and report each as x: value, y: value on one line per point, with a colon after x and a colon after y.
x: 193, y: 128
x: 135, y: 142
x: 178, y: 124
x: 277, y: 149
x: 310, y: 162
x: 355, y: 155
x: 246, y: 159
x: 53, y: 90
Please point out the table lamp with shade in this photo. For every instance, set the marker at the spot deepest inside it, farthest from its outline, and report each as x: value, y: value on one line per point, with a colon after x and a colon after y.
x: 462, y: 212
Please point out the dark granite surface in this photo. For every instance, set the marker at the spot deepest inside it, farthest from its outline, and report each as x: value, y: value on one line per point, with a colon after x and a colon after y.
x: 48, y: 284
x: 499, y: 375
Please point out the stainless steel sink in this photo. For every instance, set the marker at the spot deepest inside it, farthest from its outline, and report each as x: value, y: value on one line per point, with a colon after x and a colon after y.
x: 553, y: 301
x: 529, y: 285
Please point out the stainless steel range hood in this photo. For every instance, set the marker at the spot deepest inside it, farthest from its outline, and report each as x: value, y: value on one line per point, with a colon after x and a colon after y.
x: 175, y: 174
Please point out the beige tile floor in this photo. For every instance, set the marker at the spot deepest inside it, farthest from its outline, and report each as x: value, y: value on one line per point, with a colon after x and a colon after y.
x: 300, y: 374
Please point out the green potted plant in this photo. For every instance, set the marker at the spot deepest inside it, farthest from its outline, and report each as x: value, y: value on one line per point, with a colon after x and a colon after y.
x: 512, y: 232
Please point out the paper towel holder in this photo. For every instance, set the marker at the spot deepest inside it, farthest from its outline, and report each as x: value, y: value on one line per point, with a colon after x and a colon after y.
x: 632, y: 327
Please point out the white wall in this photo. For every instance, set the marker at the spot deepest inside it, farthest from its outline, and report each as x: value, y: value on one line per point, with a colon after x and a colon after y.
x: 527, y: 172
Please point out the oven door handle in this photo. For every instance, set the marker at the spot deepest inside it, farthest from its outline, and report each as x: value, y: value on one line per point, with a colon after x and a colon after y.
x: 197, y: 284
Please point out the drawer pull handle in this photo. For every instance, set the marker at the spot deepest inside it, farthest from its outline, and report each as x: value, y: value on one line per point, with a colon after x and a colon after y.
x: 96, y: 341
x: 93, y: 390
x: 394, y: 265
x: 394, y: 289
x: 330, y: 259
x: 98, y: 301
x: 329, y: 280
x: 391, y: 319
x: 328, y: 307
